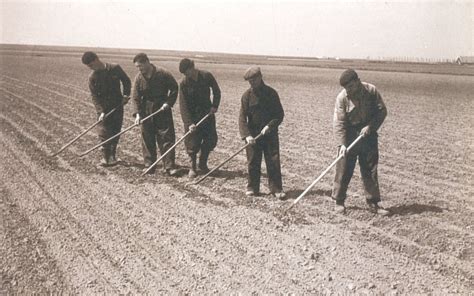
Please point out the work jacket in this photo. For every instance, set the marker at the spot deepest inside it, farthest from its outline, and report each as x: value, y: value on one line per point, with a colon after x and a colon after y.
x: 354, y: 113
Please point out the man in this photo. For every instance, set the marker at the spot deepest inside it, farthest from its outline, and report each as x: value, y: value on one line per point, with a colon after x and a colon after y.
x: 195, y: 103
x: 155, y: 88
x: 359, y: 110
x: 104, y: 85
x: 261, y: 112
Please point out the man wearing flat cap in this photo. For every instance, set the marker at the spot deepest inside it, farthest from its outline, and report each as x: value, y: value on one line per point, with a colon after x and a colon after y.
x: 104, y: 85
x: 359, y: 110
x: 154, y: 88
x: 261, y: 112
x: 195, y: 103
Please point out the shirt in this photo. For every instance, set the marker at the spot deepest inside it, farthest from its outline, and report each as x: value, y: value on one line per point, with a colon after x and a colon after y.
x: 365, y: 108
x: 105, y: 89
x: 160, y: 88
x: 195, y: 97
x: 260, y: 107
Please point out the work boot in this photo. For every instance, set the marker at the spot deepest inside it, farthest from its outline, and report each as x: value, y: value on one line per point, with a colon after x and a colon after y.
x: 339, y: 208
x: 147, y: 165
x: 280, y: 195
x: 112, y: 158
x: 203, y: 161
x: 105, y: 161
x: 192, y: 171
x: 251, y: 192
x: 172, y: 172
x: 376, y: 209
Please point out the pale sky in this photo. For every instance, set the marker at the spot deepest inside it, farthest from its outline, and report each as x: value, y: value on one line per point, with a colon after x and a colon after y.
x: 346, y: 29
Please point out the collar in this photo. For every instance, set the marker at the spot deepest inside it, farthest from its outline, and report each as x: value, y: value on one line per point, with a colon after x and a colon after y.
x: 359, y: 95
x: 260, y: 88
x: 198, y: 77
x: 106, y: 68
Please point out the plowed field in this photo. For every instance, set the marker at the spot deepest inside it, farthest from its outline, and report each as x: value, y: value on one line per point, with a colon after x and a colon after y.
x: 69, y: 225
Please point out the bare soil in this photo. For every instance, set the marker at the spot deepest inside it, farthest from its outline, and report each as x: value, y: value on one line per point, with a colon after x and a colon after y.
x: 71, y: 226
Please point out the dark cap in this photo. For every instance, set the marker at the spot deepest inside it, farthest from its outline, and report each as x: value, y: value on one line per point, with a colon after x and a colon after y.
x: 88, y: 57
x: 347, y: 76
x: 252, y: 72
x: 185, y: 64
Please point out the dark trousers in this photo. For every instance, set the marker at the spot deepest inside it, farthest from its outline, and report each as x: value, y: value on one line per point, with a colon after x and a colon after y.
x: 204, y: 138
x: 366, y: 150
x: 109, y: 127
x: 269, y: 146
x: 158, y: 129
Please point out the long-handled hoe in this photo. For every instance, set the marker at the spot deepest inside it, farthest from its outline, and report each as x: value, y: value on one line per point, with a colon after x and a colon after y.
x: 84, y: 132
x: 174, y: 145
x: 122, y: 132
x: 322, y: 174
x: 222, y: 163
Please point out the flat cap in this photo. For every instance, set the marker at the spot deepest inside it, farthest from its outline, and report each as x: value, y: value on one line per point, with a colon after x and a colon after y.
x: 252, y: 72
x: 185, y: 64
x: 347, y: 76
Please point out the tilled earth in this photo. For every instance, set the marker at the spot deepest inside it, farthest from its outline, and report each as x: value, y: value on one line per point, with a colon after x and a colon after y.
x: 71, y: 226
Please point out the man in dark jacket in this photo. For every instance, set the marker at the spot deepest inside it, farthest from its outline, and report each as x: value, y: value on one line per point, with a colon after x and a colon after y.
x: 195, y: 103
x: 155, y: 88
x: 104, y: 85
x: 359, y: 110
x: 261, y: 112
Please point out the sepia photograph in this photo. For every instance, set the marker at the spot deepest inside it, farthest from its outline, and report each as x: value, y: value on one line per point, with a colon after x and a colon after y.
x: 236, y: 147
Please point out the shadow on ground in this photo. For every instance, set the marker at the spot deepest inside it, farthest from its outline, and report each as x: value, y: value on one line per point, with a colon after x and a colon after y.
x: 224, y: 174
x: 402, y: 210
x: 414, y: 209
x: 294, y: 193
x: 126, y: 164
